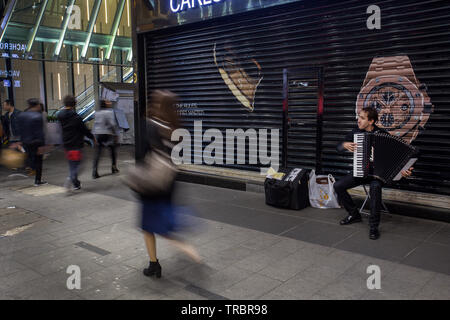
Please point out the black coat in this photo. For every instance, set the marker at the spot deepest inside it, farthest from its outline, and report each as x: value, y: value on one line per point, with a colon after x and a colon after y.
x: 73, y: 128
x: 14, y: 123
x: 31, y: 128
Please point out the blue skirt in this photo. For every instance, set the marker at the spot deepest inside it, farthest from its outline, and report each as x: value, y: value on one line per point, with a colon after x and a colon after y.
x: 158, y: 216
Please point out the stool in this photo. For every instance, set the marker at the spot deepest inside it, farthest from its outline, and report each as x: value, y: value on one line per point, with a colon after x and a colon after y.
x: 363, y: 211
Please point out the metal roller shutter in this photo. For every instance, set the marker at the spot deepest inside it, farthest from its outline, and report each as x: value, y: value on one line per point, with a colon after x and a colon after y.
x: 331, y: 34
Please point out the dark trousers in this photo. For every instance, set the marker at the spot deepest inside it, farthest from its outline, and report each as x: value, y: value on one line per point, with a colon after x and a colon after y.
x: 35, y: 160
x: 341, y: 186
x: 104, y: 140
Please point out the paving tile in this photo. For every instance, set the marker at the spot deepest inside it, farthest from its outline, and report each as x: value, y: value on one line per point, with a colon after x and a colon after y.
x: 251, y: 288
x: 164, y: 285
x: 376, y: 294
x: 345, y: 288
x: 442, y: 236
x: 221, y: 280
x: 299, y: 288
x: 108, y: 291
x: 321, y: 273
x: 415, y: 228
x: 320, y: 233
x: 236, y: 253
x: 141, y: 293
x: 262, y: 242
x: 276, y: 295
x: 17, y: 279
x: 411, y: 274
x: 285, y: 269
x: 319, y: 297
x: 430, y: 256
x: 395, y: 286
x: 388, y: 247
x: 438, y: 288
x: 8, y: 267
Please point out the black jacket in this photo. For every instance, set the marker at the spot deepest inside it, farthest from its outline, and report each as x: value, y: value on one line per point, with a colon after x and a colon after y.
x: 73, y: 129
x: 349, y: 136
x: 14, y: 123
x: 31, y: 128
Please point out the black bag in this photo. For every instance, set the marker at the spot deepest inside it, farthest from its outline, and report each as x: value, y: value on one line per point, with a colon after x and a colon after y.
x: 290, y: 192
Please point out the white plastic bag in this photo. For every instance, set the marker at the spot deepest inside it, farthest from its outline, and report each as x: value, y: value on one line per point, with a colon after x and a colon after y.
x: 321, y: 191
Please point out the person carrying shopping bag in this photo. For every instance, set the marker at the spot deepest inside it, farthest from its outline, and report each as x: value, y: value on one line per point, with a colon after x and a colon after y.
x: 153, y: 179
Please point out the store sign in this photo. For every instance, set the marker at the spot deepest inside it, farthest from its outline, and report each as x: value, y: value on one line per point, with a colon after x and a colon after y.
x: 181, y: 5
x: 11, y: 46
x: 10, y: 73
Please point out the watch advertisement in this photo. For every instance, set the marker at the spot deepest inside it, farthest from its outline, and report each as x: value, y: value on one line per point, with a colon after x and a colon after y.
x: 402, y: 102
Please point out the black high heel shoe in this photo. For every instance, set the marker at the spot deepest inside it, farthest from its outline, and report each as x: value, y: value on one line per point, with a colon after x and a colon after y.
x: 114, y: 170
x: 154, y: 268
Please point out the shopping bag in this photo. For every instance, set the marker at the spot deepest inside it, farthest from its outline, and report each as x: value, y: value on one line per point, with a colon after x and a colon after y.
x: 321, y: 191
x: 153, y: 177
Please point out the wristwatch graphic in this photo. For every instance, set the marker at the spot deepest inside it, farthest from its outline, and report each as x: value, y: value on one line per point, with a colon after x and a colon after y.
x: 402, y: 103
x: 241, y: 74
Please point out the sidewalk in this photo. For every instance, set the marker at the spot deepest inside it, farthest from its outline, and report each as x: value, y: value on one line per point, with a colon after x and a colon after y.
x: 251, y: 251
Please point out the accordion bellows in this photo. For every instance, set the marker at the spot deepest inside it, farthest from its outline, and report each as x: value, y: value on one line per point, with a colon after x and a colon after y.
x: 390, y: 155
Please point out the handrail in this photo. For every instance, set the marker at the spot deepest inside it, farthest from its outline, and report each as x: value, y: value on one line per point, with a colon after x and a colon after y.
x: 83, y: 107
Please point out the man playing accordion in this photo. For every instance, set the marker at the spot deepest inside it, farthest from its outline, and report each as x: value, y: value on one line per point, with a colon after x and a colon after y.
x: 367, y: 118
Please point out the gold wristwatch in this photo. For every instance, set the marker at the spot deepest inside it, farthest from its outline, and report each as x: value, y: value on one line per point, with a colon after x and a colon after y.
x: 391, y: 87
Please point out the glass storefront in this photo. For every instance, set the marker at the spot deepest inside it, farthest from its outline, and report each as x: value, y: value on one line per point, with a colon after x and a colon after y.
x: 47, y: 51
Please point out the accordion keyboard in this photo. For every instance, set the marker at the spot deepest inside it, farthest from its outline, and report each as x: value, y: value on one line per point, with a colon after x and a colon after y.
x: 358, y: 156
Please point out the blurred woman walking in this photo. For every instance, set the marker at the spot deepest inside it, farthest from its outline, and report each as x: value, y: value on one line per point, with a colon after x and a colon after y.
x: 155, y: 180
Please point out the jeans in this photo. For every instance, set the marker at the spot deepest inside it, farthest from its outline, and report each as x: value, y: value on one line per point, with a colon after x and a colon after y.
x: 345, y: 199
x: 73, y: 167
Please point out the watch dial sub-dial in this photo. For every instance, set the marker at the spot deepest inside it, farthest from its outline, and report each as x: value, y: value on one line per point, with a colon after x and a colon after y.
x: 394, y: 103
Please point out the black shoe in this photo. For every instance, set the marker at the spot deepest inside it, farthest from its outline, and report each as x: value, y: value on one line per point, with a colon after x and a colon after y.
x: 95, y: 175
x: 374, y: 234
x: 351, y: 218
x: 40, y: 183
x: 114, y: 170
x: 154, y: 268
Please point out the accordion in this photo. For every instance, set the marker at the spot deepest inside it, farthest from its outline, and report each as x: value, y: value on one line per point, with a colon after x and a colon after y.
x: 389, y: 154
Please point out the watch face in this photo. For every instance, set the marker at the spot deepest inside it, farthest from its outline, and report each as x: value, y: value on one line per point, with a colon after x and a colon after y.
x: 400, y: 105
x: 394, y: 104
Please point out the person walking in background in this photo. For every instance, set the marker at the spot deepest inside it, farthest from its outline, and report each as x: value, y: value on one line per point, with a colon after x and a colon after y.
x: 74, y: 130
x: 10, y: 122
x: 31, y: 132
x: 1, y: 132
x: 158, y: 211
x: 106, y: 132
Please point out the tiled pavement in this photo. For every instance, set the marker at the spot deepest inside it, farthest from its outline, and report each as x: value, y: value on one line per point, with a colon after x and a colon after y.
x: 251, y: 251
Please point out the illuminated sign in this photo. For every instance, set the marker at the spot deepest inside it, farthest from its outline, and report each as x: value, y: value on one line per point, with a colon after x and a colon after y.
x: 181, y: 5
x: 13, y: 46
x: 10, y: 73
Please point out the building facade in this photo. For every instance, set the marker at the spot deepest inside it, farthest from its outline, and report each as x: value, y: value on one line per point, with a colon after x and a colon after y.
x: 51, y: 48
x: 304, y: 68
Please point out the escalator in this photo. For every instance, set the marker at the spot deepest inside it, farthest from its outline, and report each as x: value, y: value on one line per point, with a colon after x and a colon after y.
x: 86, y: 101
